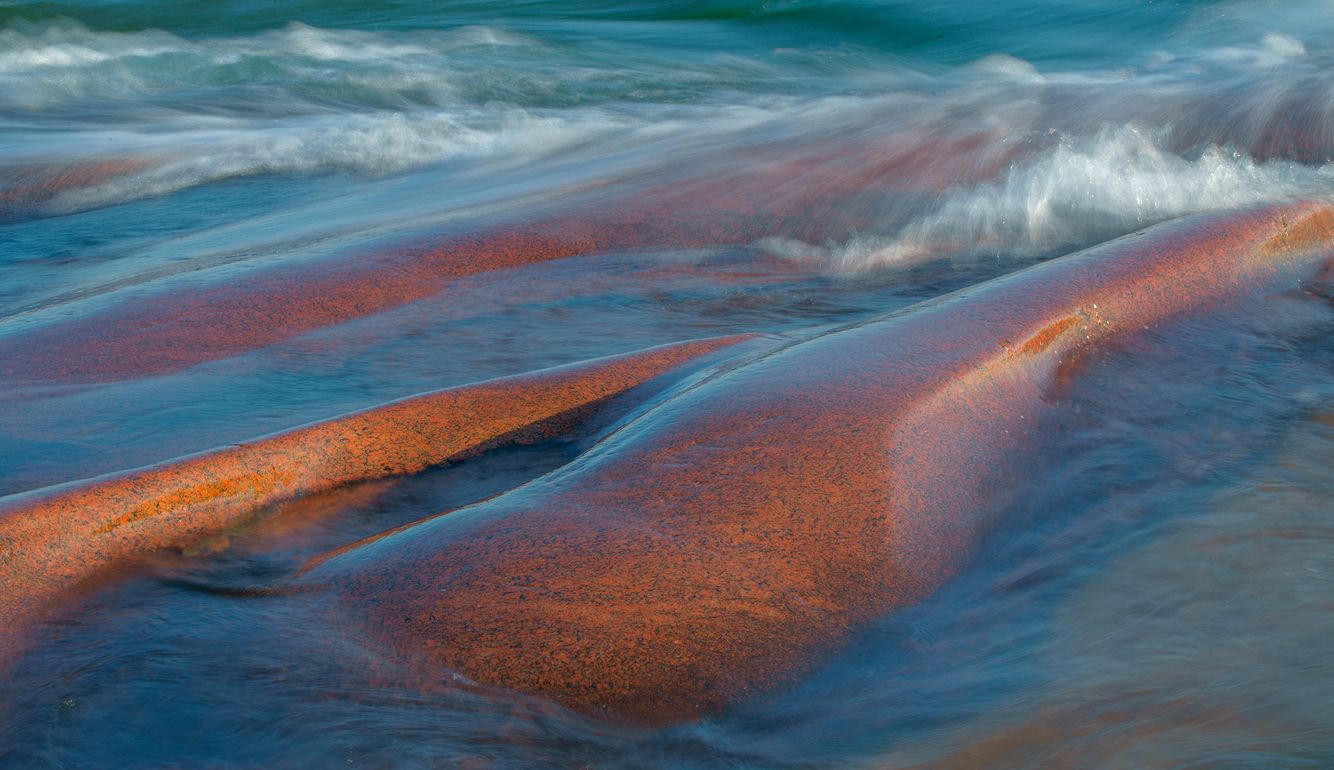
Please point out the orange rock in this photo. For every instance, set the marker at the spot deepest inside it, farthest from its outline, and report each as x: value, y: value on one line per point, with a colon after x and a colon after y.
x: 173, y: 331
x: 52, y: 541
x: 725, y: 542
x: 809, y: 198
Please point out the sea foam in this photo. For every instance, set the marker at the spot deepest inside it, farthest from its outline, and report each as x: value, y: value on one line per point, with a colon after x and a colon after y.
x: 1077, y: 192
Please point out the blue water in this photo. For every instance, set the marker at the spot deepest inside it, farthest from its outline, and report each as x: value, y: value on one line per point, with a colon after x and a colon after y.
x: 1159, y: 594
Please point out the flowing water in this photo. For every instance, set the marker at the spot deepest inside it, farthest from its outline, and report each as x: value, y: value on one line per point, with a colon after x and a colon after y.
x: 1159, y: 592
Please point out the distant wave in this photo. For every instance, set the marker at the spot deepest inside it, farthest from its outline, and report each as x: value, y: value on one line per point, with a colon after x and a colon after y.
x: 1068, y: 156
x: 295, y: 68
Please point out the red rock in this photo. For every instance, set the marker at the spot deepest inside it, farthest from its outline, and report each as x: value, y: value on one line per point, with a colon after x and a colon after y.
x: 811, y: 197
x: 730, y: 539
x: 53, y: 541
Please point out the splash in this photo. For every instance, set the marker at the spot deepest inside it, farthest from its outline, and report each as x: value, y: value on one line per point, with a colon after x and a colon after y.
x: 1075, y: 193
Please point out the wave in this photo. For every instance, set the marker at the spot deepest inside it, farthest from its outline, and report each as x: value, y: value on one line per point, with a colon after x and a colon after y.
x: 1075, y: 193
x: 371, y: 144
x: 291, y: 69
x: 1065, y: 156
x: 931, y: 30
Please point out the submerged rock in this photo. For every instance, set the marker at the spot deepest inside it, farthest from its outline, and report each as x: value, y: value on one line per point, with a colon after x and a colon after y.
x: 733, y: 537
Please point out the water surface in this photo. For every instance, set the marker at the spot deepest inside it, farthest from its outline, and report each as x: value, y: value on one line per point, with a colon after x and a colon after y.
x: 1157, y: 595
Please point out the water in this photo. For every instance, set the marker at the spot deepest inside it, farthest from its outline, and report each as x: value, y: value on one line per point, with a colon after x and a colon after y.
x: 1157, y: 595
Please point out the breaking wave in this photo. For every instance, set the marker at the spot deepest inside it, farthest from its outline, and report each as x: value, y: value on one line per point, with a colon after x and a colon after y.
x: 1064, y: 156
x: 1077, y: 192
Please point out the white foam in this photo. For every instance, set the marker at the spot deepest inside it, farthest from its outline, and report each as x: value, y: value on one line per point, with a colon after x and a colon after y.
x: 1075, y: 193
x: 1273, y: 50
x: 1008, y: 67
x: 304, y: 100
x: 1283, y: 45
x: 43, y: 68
x: 372, y: 144
x: 348, y: 46
x: 73, y: 47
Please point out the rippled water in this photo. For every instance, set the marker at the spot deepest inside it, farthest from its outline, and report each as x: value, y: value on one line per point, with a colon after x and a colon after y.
x: 1158, y: 593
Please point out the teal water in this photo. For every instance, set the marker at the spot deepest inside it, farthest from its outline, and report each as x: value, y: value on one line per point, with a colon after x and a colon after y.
x: 1159, y: 596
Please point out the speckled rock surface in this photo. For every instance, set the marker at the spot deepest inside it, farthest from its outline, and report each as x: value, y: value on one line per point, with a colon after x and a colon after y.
x: 167, y: 331
x: 737, y: 534
x: 53, y: 541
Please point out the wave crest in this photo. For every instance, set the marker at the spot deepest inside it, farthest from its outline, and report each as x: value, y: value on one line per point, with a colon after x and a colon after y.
x: 1075, y: 193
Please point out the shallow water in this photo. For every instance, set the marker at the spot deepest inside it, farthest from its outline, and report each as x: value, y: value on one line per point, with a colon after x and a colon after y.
x: 1156, y: 594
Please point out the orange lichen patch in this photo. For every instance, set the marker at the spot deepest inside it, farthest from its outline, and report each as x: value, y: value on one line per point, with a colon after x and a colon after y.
x: 810, y: 199
x: 52, y: 541
x: 728, y: 540
x: 1302, y: 231
x: 27, y: 186
x: 1050, y: 333
x: 219, y: 492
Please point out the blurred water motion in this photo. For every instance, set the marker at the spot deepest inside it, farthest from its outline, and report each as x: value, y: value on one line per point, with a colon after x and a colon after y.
x: 1158, y: 594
